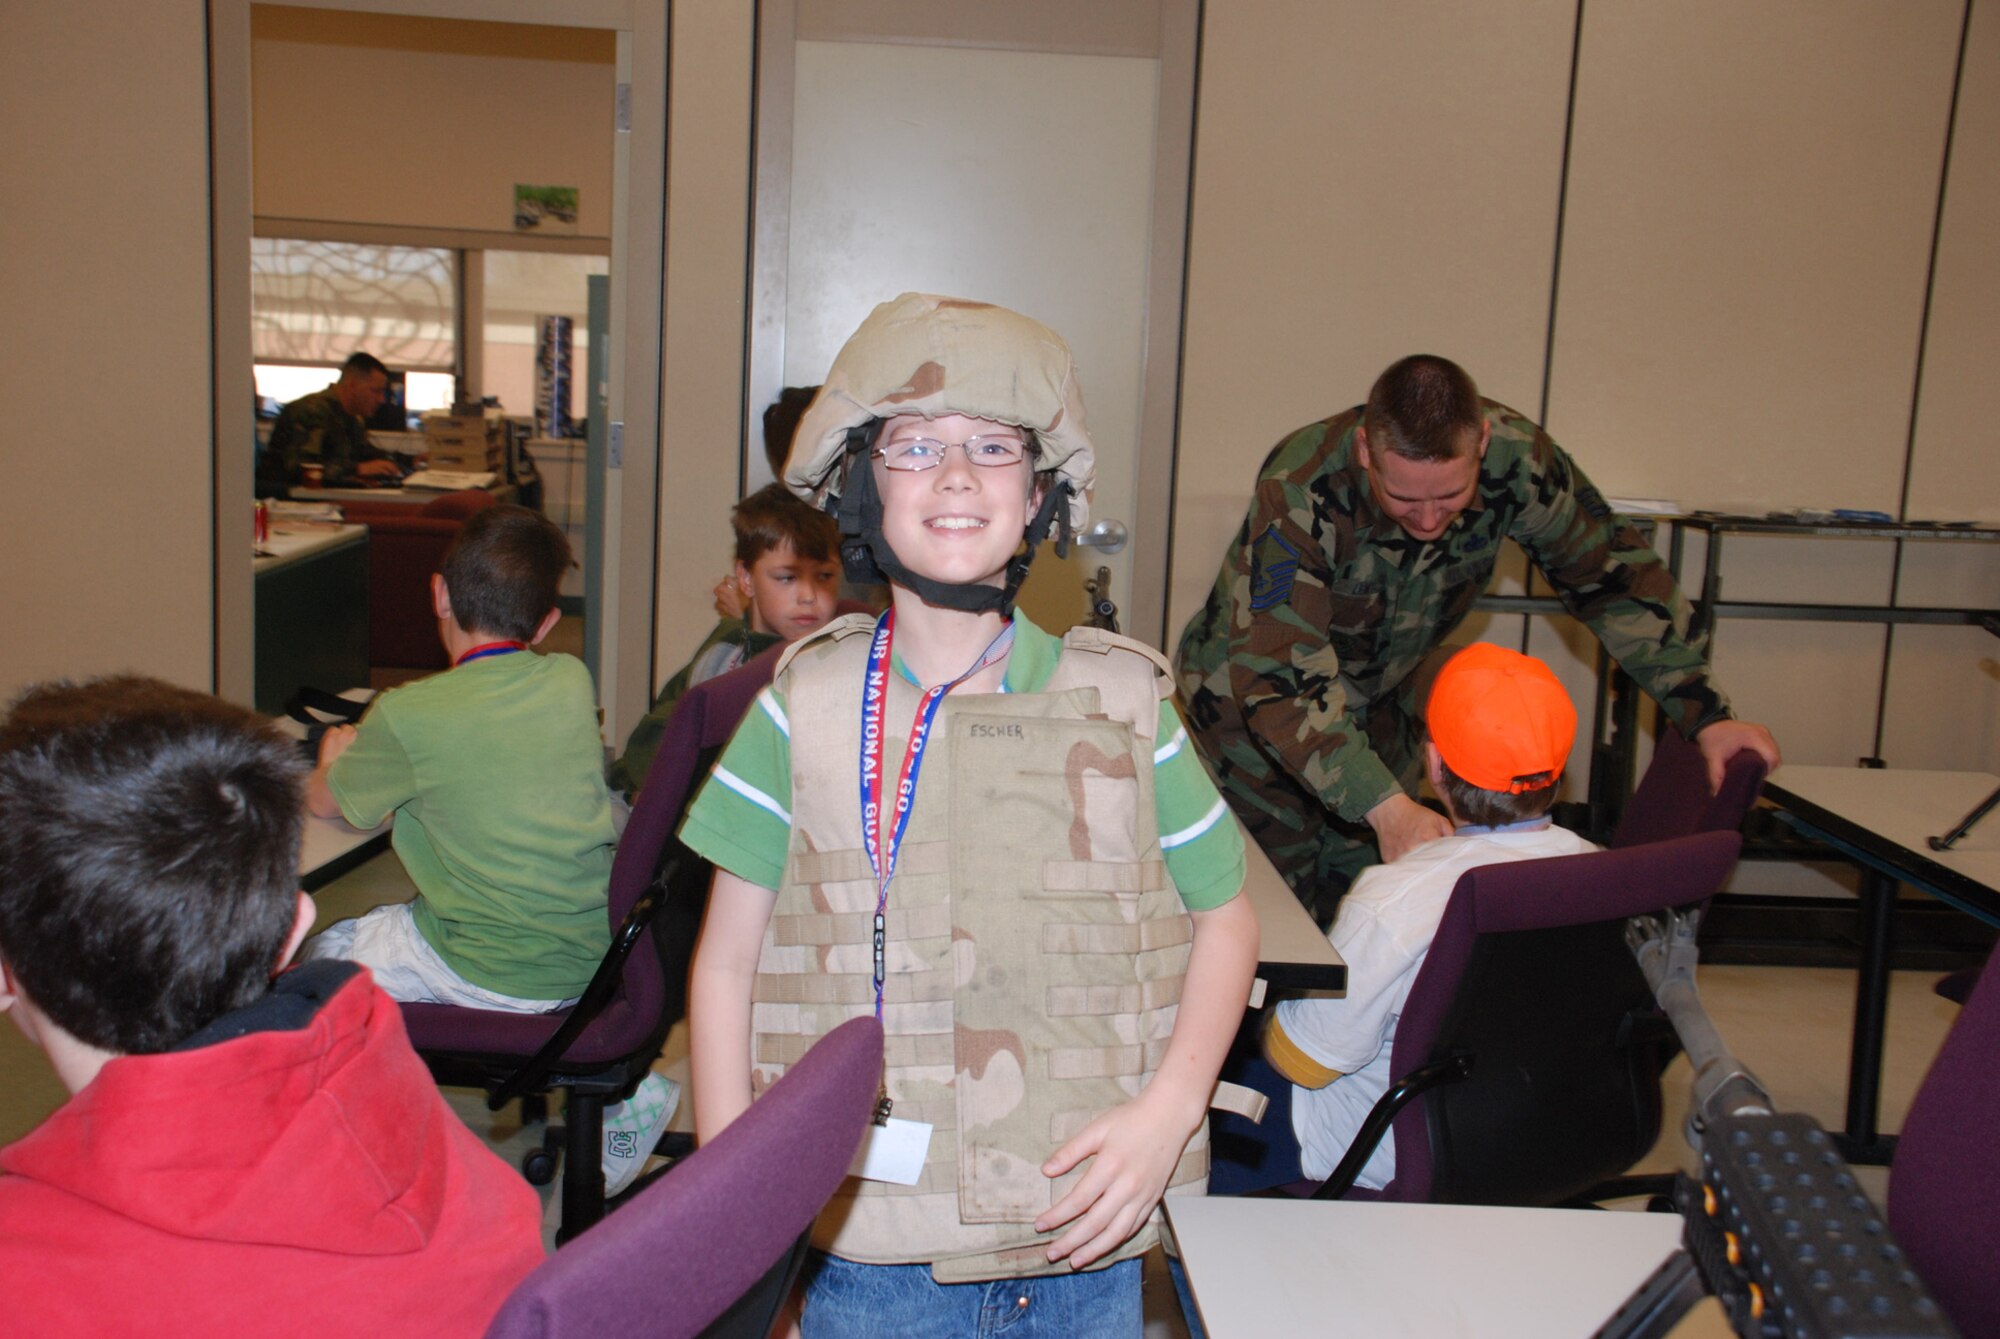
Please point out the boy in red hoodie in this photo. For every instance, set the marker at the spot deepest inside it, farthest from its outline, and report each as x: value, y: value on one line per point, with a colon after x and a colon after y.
x: 244, y: 1151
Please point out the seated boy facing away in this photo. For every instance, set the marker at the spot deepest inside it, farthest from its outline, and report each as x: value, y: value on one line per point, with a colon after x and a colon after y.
x: 494, y: 772
x: 1500, y: 733
x: 1047, y: 921
x: 788, y: 578
x: 243, y: 1151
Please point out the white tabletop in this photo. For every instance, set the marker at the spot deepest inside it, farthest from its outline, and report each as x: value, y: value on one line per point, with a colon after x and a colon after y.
x: 328, y: 839
x: 1291, y: 949
x: 1884, y: 808
x: 1263, y: 1267
x: 409, y: 496
x: 284, y: 547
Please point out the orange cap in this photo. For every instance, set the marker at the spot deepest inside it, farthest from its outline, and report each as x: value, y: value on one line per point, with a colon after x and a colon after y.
x: 1499, y: 718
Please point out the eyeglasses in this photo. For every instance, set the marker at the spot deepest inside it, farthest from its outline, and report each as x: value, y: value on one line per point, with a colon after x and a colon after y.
x: 922, y: 453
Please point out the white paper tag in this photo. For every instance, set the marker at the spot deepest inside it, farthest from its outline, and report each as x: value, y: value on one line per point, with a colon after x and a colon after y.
x: 893, y: 1152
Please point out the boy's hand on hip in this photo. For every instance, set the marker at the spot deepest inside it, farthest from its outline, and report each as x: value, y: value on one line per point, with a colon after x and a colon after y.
x: 1135, y: 1147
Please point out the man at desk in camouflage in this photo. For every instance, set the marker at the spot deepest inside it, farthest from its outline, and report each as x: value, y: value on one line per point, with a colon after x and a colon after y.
x: 329, y: 428
x: 1369, y: 536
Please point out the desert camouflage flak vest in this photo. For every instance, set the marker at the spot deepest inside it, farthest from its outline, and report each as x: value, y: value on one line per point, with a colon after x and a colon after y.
x: 1036, y: 945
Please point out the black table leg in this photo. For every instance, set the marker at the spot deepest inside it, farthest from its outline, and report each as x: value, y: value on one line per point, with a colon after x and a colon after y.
x: 1862, y: 1142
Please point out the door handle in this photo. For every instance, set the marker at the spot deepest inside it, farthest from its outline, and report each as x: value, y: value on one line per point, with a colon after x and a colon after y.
x: 1106, y: 536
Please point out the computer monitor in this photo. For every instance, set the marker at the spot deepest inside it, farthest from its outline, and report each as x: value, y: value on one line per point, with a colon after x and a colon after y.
x: 394, y: 415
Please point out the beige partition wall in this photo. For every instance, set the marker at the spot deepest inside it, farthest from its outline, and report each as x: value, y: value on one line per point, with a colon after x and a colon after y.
x: 1370, y: 181
x: 1746, y: 245
x: 1743, y: 198
x: 104, y: 277
x: 702, y: 354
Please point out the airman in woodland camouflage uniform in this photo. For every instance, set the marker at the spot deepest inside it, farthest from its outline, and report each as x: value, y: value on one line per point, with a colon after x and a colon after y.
x: 329, y: 428
x: 1302, y: 671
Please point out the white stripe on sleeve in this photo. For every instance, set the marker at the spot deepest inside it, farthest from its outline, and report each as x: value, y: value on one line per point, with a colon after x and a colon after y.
x: 751, y: 793
x: 768, y: 700
x: 1187, y: 834
x: 1171, y: 747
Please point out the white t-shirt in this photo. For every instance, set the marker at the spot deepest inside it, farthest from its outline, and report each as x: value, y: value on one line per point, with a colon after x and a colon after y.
x: 1384, y: 929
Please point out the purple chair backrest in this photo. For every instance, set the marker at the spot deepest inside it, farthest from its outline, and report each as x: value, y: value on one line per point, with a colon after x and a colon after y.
x: 1942, y: 1185
x: 1528, y: 895
x: 680, y: 1254
x: 1673, y: 799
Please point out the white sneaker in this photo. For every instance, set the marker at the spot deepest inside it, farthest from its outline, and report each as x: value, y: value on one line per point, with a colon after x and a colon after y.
x: 633, y: 1127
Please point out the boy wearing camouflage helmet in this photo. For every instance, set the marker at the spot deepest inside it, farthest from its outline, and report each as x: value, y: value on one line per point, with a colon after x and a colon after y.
x: 996, y: 841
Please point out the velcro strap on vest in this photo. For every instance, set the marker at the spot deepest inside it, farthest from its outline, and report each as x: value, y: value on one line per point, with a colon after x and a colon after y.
x: 858, y: 927
x: 853, y: 988
x: 1086, y: 876
x: 1105, y: 1062
x: 850, y: 865
x: 1193, y: 1166
x: 928, y: 1050
x: 1167, y: 932
x: 1022, y: 1262
x: 1239, y: 1100
x: 1091, y: 1001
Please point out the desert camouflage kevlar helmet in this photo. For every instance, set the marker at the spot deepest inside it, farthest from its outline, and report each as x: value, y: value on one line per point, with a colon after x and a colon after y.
x: 930, y: 355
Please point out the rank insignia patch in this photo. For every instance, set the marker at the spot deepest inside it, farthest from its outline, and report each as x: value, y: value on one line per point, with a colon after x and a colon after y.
x: 1273, y: 564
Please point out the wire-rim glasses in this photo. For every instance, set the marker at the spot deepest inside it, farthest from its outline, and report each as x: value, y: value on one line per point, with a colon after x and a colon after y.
x: 925, y: 453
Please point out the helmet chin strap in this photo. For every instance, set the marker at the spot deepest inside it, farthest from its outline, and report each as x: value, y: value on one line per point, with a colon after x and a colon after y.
x: 867, y: 559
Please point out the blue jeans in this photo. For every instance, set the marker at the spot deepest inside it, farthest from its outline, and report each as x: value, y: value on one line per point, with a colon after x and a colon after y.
x: 845, y: 1300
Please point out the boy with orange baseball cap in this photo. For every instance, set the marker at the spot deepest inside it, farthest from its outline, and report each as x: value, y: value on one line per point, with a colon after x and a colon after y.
x: 1500, y: 730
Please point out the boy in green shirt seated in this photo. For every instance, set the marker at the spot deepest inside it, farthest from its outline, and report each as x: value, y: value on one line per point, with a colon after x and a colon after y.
x: 493, y: 772
x: 788, y: 578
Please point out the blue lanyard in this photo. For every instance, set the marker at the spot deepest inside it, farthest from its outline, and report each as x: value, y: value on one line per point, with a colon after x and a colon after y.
x: 882, y: 847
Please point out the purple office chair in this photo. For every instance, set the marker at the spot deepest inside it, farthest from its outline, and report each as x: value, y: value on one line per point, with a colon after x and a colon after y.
x: 1530, y: 1034
x: 1941, y: 1184
x: 599, y: 1049
x: 1672, y: 799
x: 680, y: 1256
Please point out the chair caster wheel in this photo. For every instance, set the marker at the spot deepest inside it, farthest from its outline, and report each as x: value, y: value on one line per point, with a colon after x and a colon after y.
x: 539, y: 1166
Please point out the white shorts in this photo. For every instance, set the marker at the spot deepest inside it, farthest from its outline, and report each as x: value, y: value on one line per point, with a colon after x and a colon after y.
x: 387, y: 943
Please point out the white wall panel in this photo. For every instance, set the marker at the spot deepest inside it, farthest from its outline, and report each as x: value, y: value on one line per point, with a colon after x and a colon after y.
x: 1954, y: 474
x: 1748, y: 229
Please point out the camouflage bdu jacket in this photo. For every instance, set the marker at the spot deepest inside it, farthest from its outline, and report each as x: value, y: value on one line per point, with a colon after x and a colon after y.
x: 314, y: 429
x: 1325, y: 606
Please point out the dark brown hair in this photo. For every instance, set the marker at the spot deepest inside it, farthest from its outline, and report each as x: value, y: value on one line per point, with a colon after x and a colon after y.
x: 1494, y: 808
x: 504, y: 569
x: 149, y: 857
x: 772, y: 517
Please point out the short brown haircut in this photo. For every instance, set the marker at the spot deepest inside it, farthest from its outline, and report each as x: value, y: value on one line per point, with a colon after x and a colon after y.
x: 149, y: 857
x: 1422, y: 407
x: 1494, y: 808
x: 772, y: 517
x: 504, y: 569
